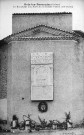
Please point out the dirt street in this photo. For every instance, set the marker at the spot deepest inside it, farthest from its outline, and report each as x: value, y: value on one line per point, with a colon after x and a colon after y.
x: 48, y: 132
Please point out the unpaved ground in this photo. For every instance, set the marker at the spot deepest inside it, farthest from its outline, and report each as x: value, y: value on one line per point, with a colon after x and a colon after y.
x: 48, y: 132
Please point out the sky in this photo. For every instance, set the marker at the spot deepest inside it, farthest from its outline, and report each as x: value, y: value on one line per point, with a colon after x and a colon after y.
x: 8, y: 7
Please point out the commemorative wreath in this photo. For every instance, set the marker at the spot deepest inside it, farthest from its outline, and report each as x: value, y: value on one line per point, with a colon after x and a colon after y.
x: 42, y: 107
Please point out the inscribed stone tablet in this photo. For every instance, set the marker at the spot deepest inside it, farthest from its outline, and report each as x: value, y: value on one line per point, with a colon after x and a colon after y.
x: 42, y: 76
x: 42, y: 58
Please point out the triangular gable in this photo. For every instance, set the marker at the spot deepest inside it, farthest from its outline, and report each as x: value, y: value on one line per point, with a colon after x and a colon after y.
x: 42, y: 31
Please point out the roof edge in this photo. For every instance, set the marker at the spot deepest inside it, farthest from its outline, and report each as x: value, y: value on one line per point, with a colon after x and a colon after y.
x: 73, y: 32
x: 44, y: 13
x: 41, y: 25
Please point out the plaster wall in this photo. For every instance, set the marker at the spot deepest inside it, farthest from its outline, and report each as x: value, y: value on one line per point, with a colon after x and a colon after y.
x: 68, y: 79
x: 22, y: 22
x: 3, y: 109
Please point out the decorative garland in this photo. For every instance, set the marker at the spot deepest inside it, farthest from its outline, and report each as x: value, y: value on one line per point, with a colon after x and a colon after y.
x: 43, y: 107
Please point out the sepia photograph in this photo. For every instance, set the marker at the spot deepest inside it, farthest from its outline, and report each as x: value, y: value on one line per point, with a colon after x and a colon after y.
x: 41, y: 67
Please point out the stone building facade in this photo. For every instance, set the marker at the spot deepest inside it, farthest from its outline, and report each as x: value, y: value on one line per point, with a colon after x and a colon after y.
x: 43, y: 43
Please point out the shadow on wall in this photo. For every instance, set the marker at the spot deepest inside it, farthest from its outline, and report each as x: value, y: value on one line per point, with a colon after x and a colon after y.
x: 3, y: 109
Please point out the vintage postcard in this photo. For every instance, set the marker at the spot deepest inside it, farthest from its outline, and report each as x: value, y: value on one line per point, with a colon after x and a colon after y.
x: 42, y: 67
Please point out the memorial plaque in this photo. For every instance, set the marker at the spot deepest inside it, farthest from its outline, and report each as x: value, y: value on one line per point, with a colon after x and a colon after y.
x: 42, y: 58
x: 42, y: 76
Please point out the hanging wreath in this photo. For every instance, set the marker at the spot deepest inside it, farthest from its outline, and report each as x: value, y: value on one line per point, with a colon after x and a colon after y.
x: 42, y: 107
